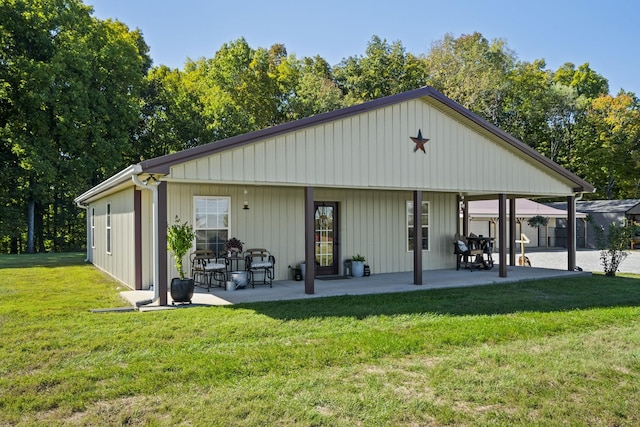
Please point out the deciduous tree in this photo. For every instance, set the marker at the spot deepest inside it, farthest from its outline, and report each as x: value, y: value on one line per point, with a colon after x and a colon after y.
x: 71, y: 106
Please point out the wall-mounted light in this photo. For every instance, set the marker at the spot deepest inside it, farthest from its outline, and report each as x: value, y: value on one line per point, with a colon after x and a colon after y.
x: 245, y: 204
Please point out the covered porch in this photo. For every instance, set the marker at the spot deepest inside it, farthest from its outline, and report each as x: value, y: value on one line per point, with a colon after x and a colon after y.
x: 375, y: 284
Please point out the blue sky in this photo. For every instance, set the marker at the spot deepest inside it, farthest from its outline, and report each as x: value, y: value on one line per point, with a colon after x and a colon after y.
x: 602, y: 33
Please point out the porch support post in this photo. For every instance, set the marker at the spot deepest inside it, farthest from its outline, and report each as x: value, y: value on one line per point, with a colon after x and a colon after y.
x: 502, y: 234
x: 459, y: 201
x: 417, y: 237
x: 465, y: 218
x: 571, y: 233
x: 137, y: 238
x: 309, y: 242
x: 512, y: 232
x: 162, y: 243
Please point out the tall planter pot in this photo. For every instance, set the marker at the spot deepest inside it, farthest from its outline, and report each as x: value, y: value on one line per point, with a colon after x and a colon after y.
x: 182, y: 290
x: 357, y: 268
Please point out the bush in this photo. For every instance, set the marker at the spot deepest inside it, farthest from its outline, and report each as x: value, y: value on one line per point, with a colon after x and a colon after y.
x: 179, y: 240
x: 613, y: 245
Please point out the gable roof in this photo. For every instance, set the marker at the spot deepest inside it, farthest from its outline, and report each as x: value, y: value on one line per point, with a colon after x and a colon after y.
x: 162, y: 165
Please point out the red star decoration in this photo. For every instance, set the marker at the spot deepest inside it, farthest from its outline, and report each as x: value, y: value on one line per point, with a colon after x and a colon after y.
x: 420, y: 141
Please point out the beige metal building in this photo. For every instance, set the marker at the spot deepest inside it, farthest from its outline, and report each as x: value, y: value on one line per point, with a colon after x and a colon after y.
x: 323, y: 189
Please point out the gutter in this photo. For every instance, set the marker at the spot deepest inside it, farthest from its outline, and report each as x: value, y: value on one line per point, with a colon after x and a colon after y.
x: 151, y: 184
x: 117, y: 179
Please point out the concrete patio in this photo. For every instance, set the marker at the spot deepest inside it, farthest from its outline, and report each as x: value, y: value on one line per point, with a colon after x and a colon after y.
x: 374, y: 284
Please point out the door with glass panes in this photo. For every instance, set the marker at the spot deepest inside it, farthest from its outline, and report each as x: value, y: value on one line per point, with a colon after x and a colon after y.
x: 327, y: 241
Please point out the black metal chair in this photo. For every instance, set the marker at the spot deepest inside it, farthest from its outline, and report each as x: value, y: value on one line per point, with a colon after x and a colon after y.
x: 206, y: 269
x: 198, y: 260
x: 259, y: 261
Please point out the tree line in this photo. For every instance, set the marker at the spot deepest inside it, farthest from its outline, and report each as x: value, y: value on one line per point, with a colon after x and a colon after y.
x: 80, y: 99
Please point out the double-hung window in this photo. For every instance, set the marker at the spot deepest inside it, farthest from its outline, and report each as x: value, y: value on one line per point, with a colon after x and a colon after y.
x: 424, y: 212
x: 212, y: 222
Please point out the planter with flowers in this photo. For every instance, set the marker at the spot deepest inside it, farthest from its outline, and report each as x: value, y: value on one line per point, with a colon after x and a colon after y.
x: 357, y: 265
x: 179, y: 240
x: 233, y: 247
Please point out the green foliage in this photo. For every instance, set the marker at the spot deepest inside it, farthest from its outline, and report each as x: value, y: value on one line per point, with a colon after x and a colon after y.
x: 179, y: 241
x: 538, y: 221
x: 69, y: 84
x: 473, y: 356
x: 472, y: 71
x: 358, y: 257
x: 384, y: 70
x: 587, y: 82
x: 613, y: 245
x: 609, y: 155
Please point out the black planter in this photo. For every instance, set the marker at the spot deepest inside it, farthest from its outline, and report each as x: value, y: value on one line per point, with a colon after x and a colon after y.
x: 181, y: 290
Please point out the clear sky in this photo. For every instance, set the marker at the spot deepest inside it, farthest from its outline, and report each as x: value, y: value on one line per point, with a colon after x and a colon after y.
x: 606, y: 34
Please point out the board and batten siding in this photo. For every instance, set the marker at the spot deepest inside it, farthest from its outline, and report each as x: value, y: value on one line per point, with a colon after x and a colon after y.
x: 119, y: 263
x: 371, y: 222
x: 374, y: 150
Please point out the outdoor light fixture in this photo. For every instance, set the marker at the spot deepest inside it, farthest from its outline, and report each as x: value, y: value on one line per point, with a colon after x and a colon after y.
x: 245, y: 204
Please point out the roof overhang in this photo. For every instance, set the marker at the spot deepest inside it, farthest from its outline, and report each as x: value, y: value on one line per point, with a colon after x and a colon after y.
x: 116, y: 183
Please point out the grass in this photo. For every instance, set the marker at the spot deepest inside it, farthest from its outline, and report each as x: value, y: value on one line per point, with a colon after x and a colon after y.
x: 537, y: 353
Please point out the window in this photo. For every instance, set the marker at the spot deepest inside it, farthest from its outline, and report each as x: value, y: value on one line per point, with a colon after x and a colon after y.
x: 212, y: 223
x: 93, y: 228
x: 425, y: 226
x: 108, y: 219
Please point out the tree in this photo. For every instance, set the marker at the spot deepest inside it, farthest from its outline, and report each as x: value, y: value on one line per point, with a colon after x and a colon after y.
x: 315, y: 90
x: 172, y: 118
x: 472, y: 71
x: 526, y: 102
x: 386, y: 69
x: 565, y: 112
x: 71, y: 105
x: 610, y: 157
x: 587, y: 82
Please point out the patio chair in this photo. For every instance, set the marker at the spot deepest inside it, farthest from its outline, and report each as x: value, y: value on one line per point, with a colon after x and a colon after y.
x: 259, y: 261
x: 206, y: 269
x: 198, y: 258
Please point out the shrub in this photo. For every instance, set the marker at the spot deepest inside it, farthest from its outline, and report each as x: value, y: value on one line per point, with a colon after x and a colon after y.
x: 613, y: 245
x: 179, y: 240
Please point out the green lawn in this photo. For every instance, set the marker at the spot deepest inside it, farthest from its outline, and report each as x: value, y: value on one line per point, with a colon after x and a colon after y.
x: 537, y: 353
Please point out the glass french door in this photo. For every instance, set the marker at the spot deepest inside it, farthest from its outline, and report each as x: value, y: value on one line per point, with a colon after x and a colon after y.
x: 327, y: 242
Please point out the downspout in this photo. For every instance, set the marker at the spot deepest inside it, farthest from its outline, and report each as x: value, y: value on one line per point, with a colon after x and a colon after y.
x: 151, y: 184
x: 88, y: 225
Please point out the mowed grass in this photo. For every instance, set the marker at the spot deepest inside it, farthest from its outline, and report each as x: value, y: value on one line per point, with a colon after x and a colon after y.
x: 553, y: 352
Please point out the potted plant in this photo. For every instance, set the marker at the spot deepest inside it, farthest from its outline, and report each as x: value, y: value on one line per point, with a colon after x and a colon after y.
x: 179, y: 240
x: 357, y: 265
x: 233, y: 247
